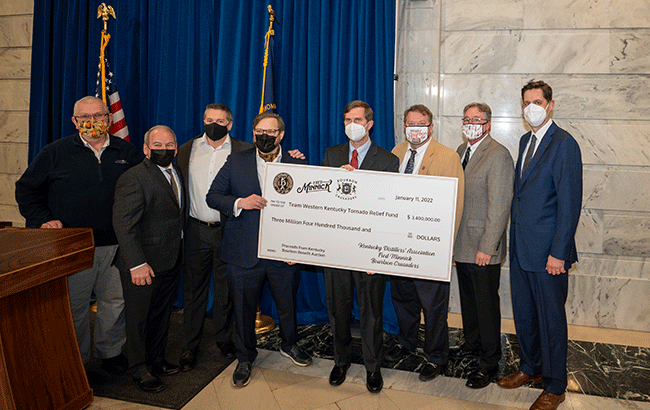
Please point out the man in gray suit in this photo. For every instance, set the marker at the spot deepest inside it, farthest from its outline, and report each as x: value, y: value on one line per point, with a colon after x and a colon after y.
x: 148, y: 218
x: 481, y: 242
x: 200, y: 159
x: 360, y: 152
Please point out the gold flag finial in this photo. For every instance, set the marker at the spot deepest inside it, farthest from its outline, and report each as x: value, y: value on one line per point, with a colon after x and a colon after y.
x: 104, y: 12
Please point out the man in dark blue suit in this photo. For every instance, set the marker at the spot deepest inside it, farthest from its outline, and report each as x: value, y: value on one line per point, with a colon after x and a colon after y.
x: 236, y: 192
x: 545, y: 211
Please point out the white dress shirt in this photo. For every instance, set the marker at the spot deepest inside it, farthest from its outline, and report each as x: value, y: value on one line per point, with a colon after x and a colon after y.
x: 205, y: 163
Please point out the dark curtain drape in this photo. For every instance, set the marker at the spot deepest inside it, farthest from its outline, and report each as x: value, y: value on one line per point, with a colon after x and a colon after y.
x: 170, y: 59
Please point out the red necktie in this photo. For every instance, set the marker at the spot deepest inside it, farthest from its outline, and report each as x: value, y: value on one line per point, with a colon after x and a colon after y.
x: 354, y: 161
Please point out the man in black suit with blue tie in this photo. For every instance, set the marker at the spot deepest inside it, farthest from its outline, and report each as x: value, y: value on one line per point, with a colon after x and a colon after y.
x: 237, y: 193
x: 546, y: 203
x: 148, y: 218
x: 360, y: 152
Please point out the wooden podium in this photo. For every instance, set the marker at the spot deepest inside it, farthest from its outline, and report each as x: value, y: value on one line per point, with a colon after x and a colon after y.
x: 40, y: 362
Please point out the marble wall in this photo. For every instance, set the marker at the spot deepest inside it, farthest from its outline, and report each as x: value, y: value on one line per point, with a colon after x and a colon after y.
x: 596, y: 56
x: 15, y: 60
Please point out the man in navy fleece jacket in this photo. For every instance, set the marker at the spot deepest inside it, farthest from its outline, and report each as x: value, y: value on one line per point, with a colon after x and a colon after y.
x: 70, y: 184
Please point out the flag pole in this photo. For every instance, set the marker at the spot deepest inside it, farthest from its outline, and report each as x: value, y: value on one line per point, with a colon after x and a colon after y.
x: 267, y: 38
x: 264, y: 324
x: 104, y: 12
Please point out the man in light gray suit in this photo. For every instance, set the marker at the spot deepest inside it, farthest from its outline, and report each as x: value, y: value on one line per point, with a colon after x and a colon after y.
x: 481, y: 242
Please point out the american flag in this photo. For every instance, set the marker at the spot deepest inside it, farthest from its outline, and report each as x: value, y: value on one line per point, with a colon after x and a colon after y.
x: 119, y: 128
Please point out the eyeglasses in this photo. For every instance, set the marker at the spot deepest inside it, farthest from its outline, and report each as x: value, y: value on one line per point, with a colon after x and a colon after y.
x: 419, y: 124
x: 220, y: 121
x: 88, y: 117
x: 259, y: 131
x: 475, y: 120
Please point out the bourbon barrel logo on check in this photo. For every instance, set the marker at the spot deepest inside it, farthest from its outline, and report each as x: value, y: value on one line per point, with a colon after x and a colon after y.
x: 283, y: 183
x: 347, y: 188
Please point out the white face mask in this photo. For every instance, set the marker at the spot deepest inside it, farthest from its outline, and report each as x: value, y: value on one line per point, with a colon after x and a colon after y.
x: 535, y: 115
x: 417, y: 135
x: 355, y: 131
x: 472, y: 131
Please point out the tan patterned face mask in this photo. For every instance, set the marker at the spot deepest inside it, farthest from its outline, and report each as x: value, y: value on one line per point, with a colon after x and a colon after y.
x: 92, y: 128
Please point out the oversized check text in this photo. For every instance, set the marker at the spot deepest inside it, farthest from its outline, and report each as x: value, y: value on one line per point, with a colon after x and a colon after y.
x: 360, y: 220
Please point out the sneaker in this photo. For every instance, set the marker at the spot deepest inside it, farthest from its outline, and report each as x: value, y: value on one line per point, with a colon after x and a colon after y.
x: 242, y: 374
x: 297, y: 355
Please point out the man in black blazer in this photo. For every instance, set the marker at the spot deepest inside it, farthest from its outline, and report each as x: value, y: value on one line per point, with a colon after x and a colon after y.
x: 199, y: 160
x: 360, y: 152
x: 237, y: 193
x: 148, y: 218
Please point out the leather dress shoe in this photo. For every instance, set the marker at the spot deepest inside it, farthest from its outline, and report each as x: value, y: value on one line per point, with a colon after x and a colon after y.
x: 518, y: 379
x: 430, y: 371
x: 116, y: 365
x: 374, y: 381
x: 337, y: 375
x: 149, y: 383
x: 227, y: 349
x: 164, y: 368
x: 396, y: 352
x: 187, y: 360
x: 547, y: 401
x: 481, y: 378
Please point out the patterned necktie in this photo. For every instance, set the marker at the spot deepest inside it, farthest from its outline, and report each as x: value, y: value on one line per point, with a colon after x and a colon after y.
x: 355, y: 160
x: 172, y: 181
x: 529, y: 155
x: 466, y: 157
x: 268, y: 157
x: 411, y: 162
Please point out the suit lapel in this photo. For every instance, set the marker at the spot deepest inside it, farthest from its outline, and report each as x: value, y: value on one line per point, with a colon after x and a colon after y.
x: 160, y: 179
x: 480, y: 151
x: 543, y: 145
x: 369, y: 159
x: 251, y: 176
x: 427, y: 160
x: 181, y: 186
x: 522, y: 146
x: 343, y: 154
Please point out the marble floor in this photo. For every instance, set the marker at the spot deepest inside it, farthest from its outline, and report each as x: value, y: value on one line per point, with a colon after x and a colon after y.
x: 600, y: 369
x: 278, y: 384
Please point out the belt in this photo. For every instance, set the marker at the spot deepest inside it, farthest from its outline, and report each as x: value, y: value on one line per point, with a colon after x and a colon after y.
x: 208, y: 224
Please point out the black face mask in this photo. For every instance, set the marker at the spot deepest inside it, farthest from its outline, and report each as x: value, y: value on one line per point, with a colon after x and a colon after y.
x: 215, y: 131
x: 265, y: 143
x: 162, y: 157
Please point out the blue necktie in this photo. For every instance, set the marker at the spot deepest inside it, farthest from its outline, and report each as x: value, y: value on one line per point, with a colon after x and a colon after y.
x: 529, y: 155
x: 411, y: 163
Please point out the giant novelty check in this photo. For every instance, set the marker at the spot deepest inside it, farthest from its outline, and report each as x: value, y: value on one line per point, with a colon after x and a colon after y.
x: 360, y: 220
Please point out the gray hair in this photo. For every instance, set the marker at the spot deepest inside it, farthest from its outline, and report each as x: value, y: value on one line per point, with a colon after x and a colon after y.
x: 157, y: 127
x: 482, y: 107
x: 87, y: 99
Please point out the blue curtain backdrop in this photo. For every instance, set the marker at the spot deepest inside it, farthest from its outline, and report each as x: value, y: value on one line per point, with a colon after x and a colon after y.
x: 170, y: 59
